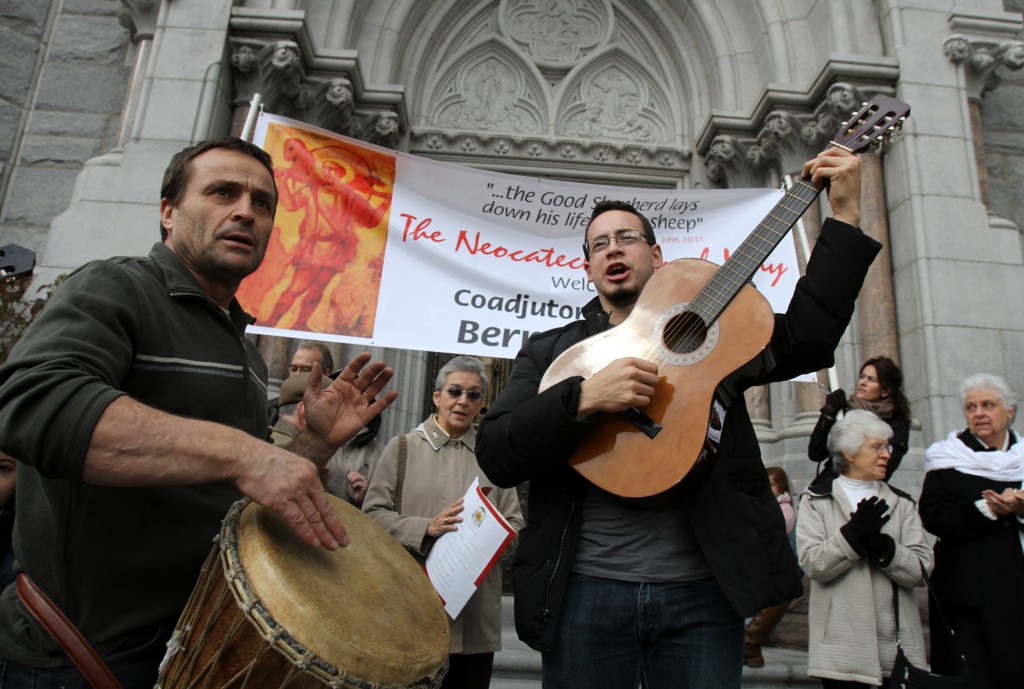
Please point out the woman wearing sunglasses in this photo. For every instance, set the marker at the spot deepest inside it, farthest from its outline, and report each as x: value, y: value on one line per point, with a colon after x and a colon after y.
x: 439, y: 466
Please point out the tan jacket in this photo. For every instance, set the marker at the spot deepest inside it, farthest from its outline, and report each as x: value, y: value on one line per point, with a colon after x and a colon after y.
x: 438, y: 472
x: 363, y: 458
x: 852, y: 629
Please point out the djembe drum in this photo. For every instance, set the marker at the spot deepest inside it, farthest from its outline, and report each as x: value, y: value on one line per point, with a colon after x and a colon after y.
x: 270, y: 611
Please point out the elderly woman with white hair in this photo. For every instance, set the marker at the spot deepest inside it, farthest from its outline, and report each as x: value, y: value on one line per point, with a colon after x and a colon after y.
x: 972, y: 500
x: 860, y: 541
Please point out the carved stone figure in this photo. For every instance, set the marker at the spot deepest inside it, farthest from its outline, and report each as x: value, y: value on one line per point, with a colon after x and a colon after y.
x: 555, y: 31
x: 380, y: 128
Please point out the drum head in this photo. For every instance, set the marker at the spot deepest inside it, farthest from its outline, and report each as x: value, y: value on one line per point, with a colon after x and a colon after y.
x: 368, y: 609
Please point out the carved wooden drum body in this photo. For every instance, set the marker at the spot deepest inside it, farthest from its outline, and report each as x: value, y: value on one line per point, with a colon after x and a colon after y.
x: 270, y: 611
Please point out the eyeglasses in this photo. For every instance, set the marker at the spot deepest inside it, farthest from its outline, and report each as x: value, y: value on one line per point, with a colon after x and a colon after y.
x: 878, y: 447
x: 623, y: 237
x: 301, y: 369
x: 457, y: 392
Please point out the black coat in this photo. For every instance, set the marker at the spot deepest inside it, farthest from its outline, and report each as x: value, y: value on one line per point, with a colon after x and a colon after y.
x: 978, y: 577
x: 526, y: 436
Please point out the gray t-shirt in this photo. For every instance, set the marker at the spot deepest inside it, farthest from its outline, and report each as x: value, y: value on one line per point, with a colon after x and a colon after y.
x: 620, y: 541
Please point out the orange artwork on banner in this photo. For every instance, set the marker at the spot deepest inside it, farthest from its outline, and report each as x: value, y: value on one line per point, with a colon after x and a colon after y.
x: 322, y: 270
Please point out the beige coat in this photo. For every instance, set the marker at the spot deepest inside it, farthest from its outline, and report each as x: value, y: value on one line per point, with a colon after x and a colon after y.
x: 363, y: 458
x: 438, y: 472
x: 852, y: 629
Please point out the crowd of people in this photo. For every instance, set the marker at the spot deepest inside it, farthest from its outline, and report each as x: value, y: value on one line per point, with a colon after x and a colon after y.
x: 610, y: 591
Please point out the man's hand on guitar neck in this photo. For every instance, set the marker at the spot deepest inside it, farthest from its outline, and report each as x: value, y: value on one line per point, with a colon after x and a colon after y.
x: 840, y: 171
x: 622, y: 384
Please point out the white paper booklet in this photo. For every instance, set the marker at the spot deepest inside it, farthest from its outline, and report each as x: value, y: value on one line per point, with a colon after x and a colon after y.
x: 461, y: 559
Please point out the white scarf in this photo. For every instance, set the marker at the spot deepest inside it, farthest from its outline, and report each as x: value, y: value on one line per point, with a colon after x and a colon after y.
x: 996, y: 465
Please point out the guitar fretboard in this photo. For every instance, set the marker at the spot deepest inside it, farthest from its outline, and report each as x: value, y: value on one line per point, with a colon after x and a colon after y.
x: 744, y: 262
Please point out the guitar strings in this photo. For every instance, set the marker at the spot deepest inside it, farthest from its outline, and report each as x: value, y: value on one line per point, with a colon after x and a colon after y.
x: 729, y: 273
x: 682, y: 332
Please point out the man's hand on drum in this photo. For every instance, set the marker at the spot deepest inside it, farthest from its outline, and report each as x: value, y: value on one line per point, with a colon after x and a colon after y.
x: 446, y: 520
x: 290, y: 486
x: 335, y: 413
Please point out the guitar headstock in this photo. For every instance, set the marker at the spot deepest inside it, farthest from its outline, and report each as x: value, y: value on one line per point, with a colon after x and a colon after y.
x: 15, y: 262
x: 880, y: 119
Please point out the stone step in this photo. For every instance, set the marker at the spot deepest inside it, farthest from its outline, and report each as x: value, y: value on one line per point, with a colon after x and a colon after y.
x: 511, y: 683
x: 783, y: 667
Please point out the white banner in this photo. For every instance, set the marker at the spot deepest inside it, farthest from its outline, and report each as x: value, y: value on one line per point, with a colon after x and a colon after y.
x: 390, y: 249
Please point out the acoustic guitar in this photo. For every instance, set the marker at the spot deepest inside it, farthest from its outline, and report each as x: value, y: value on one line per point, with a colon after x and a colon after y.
x: 705, y: 326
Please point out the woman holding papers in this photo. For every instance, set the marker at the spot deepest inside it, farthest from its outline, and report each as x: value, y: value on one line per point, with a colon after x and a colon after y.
x: 437, y: 463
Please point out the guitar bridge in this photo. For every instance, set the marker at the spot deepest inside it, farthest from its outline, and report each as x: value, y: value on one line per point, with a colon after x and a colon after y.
x: 646, y: 424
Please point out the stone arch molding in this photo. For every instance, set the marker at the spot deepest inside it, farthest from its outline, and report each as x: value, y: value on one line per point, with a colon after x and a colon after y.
x: 556, y: 34
x: 546, y: 81
x: 615, y: 97
x: 488, y: 89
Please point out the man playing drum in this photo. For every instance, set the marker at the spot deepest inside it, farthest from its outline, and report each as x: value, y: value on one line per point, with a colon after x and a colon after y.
x: 138, y: 412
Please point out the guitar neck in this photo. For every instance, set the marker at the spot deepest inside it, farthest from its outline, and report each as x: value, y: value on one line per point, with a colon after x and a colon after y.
x: 744, y: 262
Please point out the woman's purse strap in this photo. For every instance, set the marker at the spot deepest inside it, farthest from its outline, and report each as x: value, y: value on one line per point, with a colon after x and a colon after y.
x: 937, y: 607
x: 403, y: 456
x: 54, y: 621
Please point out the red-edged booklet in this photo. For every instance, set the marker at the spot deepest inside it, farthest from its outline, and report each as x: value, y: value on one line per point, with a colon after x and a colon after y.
x: 461, y: 559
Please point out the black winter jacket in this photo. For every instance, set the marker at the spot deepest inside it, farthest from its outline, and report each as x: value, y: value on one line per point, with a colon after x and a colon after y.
x: 526, y: 436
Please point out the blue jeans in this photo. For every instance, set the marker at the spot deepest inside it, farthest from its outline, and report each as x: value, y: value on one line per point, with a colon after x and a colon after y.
x: 621, y: 635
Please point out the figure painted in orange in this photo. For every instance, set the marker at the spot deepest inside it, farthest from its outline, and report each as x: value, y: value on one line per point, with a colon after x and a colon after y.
x: 334, y: 201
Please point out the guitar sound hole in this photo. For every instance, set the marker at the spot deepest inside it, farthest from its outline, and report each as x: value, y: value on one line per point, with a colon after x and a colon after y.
x: 685, y: 333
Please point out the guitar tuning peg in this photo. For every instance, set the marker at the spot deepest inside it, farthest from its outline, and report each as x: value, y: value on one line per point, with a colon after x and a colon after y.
x: 864, y: 104
x: 844, y: 125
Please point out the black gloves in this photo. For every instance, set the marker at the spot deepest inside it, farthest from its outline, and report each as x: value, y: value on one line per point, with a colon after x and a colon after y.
x: 835, y: 402
x: 865, y: 523
x: 881, y: 549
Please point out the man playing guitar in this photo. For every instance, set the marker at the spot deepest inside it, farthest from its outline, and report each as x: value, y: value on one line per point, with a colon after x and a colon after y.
x: 615, y: 593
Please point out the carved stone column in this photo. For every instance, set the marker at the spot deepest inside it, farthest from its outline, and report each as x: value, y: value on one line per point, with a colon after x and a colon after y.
x: 274, y: 351
x: 139, y: 17
x: 876, y: 309
x: 876, y: 306
x: 737, y: 163
x: 809, y: 396
x: 981, y: 59
x: 276, y: 70
x: 411, y: 382
x: 734, y: 163
x: 785, y: 142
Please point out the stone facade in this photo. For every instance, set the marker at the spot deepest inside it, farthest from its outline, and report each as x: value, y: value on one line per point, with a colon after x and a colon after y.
x: 62, y: 88
x: 95, y: 95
